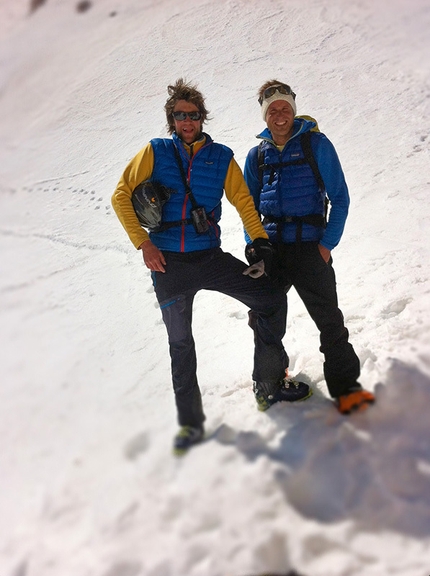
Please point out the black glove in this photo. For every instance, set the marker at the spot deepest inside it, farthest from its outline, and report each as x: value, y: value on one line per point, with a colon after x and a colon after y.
x: 260, y: 250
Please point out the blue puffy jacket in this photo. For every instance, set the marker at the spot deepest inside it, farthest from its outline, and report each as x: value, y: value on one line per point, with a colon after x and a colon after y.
x: 292, y: 190
x: 206, y: 172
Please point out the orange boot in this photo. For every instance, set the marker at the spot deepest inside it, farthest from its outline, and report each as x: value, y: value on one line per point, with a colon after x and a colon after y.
x: 355, y: 401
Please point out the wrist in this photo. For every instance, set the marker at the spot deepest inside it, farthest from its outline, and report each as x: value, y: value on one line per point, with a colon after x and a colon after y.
x: 142, y: 246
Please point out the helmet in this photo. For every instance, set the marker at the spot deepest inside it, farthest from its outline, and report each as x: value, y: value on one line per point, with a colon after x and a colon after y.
x: 148, y: 199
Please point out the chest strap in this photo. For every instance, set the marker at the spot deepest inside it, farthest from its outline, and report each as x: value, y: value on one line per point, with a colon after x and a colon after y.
x: 171, y: 224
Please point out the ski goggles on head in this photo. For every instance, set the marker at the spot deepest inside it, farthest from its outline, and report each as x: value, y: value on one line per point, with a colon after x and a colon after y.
x: 196, y: 115
x: 281, y: 88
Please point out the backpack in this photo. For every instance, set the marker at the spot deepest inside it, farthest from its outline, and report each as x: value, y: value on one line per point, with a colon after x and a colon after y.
x: 318, y: 220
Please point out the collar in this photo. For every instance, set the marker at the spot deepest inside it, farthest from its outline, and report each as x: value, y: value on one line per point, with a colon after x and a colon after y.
x: 195, y: 146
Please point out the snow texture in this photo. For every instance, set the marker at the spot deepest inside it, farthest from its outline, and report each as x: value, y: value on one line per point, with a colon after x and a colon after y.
x: 89, y: 486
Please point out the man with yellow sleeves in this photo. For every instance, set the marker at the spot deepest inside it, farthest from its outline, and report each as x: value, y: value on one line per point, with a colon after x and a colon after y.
x: 183, y: 251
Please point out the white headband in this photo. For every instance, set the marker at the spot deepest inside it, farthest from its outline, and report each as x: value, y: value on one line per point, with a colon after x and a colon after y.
x: 277, y: 96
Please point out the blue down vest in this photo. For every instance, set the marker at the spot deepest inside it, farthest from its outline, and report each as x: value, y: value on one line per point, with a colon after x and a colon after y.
x: 288, y: 191
x: 206, y: 172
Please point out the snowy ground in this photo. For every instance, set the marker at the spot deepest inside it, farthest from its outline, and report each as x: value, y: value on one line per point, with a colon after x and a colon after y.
x: 88, y: 486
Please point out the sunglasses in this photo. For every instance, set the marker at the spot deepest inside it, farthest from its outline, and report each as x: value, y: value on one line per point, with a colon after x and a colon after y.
x: 191, y: 115
x: 281, y: 88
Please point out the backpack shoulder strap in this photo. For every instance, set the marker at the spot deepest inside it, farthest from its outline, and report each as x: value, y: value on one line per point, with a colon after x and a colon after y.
x: 305, y: 141
x: 260, y: 163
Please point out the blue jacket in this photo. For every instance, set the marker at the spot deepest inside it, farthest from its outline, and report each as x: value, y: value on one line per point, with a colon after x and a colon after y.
x: 207, y: 186
x: 293, y: 190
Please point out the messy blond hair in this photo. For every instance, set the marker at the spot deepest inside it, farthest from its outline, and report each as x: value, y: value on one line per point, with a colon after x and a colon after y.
x: 183, y: 90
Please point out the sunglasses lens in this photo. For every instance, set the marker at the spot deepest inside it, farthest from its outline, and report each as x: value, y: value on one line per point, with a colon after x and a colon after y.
x: 194, y: 115
x: 191, y: 115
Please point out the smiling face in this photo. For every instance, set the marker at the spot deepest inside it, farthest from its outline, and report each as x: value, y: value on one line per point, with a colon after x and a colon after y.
x: 280, y: 121
x: 188, y: 130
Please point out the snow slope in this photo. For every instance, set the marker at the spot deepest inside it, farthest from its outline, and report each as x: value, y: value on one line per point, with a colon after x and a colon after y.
x: 88, y: 483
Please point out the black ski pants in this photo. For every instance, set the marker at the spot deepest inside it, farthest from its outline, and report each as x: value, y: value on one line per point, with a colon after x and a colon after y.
x: 185, y: 275
x: 302, y: 266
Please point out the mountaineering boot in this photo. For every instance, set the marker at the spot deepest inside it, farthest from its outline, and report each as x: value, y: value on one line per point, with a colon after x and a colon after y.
x: 287, y: 390
x: 187, y: 437
x: 292, y: 390
x: 356, y: 400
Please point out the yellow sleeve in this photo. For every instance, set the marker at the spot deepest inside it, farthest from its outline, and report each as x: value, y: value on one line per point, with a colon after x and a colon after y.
x: 139, y: 169
x: 237, y: 193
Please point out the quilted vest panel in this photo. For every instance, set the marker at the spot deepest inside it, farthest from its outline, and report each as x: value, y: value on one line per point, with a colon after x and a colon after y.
x: 290, y: 190
x: 207, y: 171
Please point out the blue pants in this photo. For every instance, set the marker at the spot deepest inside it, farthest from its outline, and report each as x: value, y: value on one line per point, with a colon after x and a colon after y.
x: 186, y: 274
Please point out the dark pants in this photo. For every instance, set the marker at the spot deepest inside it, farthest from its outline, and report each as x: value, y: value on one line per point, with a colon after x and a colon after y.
x: 186, y: 274
x: 303, y: 267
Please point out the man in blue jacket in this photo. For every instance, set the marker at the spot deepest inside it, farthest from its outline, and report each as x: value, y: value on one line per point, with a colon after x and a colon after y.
x: 184, y: 253
x: 290, y: 175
